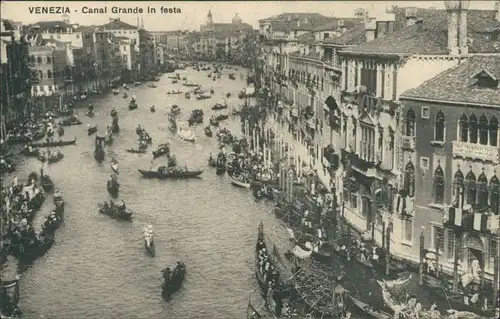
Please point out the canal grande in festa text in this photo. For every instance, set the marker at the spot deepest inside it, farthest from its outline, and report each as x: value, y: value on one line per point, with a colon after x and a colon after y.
x: 185, y: 174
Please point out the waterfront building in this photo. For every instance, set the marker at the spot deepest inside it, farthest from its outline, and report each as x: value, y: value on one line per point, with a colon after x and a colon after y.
x: 129, y: 58
x: 451, y: 152
x: 48, y: 63
x: 401, y: 53
x: 15, y: 83
x: 222, y: 40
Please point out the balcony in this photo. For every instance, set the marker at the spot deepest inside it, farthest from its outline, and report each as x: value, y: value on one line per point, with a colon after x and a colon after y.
x: 470, y: 220
x: 485, y: 153
x: 35, y: 80
x: 408, y: 143
x: 68, y: 79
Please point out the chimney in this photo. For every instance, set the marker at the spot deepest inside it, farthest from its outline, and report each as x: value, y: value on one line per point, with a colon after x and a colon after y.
x: 497, y: 10
x: 390, y: 26
x: 462, y: 37
x: 370, y: 28
x: 452, y: 8
x: 411, y: 16
x: 420, y: 24
x: 381, y: 29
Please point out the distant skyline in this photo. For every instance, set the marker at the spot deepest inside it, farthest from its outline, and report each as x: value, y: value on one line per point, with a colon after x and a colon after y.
x: 194, y: 13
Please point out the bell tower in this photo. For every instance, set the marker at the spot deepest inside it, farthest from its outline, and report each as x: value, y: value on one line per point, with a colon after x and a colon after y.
x: 209, y: 18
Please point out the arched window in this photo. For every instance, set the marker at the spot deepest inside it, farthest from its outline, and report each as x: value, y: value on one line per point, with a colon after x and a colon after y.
x: 49, y: 74
x: 439, y: 185
x: 464, y: 128
x: 473, y: 128
x: 493, y: 131
x: 39, y: 59
x: 49, y: 59
x: 458, y: 188
x: 409, y: 181
x: 482, y: 191
x: 410, y: 123
x: 495, y: 195
x: 471, y: 188
x: 40, y: 75
x: 483, y: 130
x: 439, y: 127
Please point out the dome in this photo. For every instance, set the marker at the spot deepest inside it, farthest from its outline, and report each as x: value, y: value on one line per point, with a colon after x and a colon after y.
x: 236, y: 19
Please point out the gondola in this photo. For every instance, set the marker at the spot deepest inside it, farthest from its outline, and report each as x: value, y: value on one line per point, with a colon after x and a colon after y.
x: 47, y: 183
x: 219, y: 106
x: 116, y: 91
x: 208, y: 131
x: 38, y: 248
x: 232, y: 77
x: 136, y: 151
x: 175, y: 110
x: 239, y: 183
x: 152, y: 109
x: 113, y: 187
x: 114, y: 113
x: 99, y: 154
x: 115, y: 211
x: 163, y: 173
x: 90, y: 114
x: 60, y: 131
x: 187, y: 95
x: 152, y: 85
x: 30, y: 152
x: 70, y: 122
x: 115, y: 128
x: 114, y: 167
x: 92, y: 129
x: 368, y: 311
x: 456, y: 300
x: 149, y: 243
x: 161, y: 150
x: 55, y: 143
x: 132, y: 105
x: 174, y: 92
x: 203, y: 96
x: 173, y: 280
x: 190, y: 84
x: 55, y: 158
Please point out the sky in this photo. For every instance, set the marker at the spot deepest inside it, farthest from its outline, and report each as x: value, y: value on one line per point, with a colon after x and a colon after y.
x: 193, y: 13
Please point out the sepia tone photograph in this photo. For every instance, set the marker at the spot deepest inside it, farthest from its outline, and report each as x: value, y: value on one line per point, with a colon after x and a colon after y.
x: 245, y: 160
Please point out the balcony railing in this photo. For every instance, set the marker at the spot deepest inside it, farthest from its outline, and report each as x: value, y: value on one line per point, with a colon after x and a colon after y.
x: 470, y: 220
x: 476, y: 151
x: 408, y: 143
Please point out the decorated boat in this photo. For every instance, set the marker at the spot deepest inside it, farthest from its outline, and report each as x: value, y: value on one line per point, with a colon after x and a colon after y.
x: 149, y: 243
x: 114, y: 167
x: 47, y: 183
x: 170, y: 173
x: 174, y: 92
x: 186, y: 133
x: 54, y: 143
x: 132, y: 105
x: 203, y: 95
x: 240, y: 181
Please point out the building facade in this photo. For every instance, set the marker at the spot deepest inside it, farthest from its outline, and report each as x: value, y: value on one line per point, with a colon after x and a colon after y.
x: 15, y: 84
x: 452, y: 161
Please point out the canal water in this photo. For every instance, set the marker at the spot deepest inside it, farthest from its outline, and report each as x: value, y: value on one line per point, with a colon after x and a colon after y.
x: 98, y: 267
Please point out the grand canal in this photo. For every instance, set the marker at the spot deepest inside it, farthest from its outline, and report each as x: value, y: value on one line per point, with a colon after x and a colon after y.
x: 98, y: 268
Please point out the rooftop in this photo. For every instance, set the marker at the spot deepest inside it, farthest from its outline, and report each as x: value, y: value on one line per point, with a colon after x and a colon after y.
x: 354, y: 36
x: 306, y: 38
x: 431, y: 38
x: 117, y: 24
x: 293, y: 15
x: 50, y: 26
x: 333, y: 25
x: 457, y: 84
